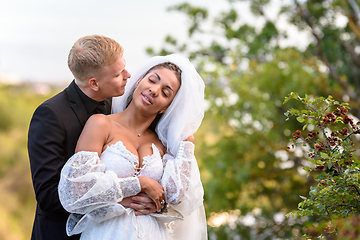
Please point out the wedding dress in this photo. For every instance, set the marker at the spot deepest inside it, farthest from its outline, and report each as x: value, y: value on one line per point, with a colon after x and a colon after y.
x: 91, y: 189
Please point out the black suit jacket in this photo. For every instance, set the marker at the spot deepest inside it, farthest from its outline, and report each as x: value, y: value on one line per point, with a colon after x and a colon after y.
x: 53, y: 133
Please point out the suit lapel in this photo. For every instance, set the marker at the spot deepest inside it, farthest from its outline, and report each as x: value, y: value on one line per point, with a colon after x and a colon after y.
x: 76, y: 104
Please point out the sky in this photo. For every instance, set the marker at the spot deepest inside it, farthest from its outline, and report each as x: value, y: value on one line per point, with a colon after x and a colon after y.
x: 36, y: 35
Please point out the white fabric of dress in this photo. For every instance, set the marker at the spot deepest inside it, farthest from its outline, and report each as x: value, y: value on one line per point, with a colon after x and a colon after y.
x: 91, y: 189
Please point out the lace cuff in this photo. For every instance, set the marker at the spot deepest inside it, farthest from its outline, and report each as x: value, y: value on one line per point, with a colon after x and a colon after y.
x: 181, y: 180
x: 130, y: 186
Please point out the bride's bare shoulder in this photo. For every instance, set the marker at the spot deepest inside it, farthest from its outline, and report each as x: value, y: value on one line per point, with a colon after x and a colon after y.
x: 98, y: 120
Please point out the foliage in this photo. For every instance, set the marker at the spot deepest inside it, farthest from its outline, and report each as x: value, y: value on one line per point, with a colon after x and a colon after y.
x: 335, y: 44
x: 331, y: 152
x: 249, y: 69
x: 17, y: 202
x: 347, y: 228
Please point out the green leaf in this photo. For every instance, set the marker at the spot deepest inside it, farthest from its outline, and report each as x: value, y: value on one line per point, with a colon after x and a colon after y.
x: 329, y: 165
x: 302, y: 197
x: 300, y: 119
x: 305, y: 112
x: 306, y: 168
x: 319, y: 162
x: 324, y: 155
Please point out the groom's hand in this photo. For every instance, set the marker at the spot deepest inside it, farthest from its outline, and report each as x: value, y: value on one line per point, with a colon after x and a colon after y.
x: 141, y: 203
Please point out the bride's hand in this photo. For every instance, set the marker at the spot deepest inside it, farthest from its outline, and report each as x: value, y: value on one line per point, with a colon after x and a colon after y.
x: 154, y: 190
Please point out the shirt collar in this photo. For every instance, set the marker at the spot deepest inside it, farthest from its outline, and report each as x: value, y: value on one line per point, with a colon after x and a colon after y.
x: 90, y: 104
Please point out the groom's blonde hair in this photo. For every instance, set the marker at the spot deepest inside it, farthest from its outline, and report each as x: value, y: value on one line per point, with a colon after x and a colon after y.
x: 90, y: 54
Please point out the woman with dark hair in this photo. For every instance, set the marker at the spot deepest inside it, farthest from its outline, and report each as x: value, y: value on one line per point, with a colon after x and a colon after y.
x: 146, y: 145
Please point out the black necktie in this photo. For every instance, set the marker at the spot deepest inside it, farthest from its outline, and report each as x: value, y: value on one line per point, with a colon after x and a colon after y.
x: 101, y: 108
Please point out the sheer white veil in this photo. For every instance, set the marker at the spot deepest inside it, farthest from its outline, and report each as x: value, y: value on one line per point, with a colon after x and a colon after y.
x: 184, y: 115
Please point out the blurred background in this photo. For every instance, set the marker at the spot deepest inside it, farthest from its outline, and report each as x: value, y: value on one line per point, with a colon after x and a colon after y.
x: 251, y: 55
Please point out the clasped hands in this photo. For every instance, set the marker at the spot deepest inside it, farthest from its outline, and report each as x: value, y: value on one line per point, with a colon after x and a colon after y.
x: 141, y: 203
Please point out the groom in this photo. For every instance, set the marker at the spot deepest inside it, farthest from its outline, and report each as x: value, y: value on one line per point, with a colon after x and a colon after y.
x: 98, y: 66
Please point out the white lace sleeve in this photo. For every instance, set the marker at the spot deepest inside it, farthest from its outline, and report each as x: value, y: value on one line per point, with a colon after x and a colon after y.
x: 181, y: 180
x: 85, y: 184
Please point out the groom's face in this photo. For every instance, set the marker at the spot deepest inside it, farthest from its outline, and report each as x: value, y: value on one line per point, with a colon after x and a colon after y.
x: 113, y: 78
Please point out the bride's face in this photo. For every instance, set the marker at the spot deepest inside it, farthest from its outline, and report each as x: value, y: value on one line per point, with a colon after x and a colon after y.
x: 155, y: 92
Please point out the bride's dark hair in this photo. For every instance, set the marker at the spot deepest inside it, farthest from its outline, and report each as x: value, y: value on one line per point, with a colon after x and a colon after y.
x: 168, y: 65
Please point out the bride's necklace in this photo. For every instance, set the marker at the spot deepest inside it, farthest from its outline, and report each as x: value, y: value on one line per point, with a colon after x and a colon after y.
x: 138, y: 134
x: 128, y: 129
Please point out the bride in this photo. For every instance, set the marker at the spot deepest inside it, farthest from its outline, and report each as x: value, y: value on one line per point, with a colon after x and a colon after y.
x: 144, y: 146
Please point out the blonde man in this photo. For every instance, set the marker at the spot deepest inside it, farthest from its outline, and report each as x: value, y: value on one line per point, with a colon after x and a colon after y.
x: 98, y: 66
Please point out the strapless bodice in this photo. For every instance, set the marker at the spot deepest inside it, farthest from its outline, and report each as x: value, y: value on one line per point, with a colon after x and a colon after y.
x: 120, y: 160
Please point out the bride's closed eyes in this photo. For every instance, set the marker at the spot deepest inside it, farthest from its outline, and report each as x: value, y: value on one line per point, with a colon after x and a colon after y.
x: 166, y: 92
